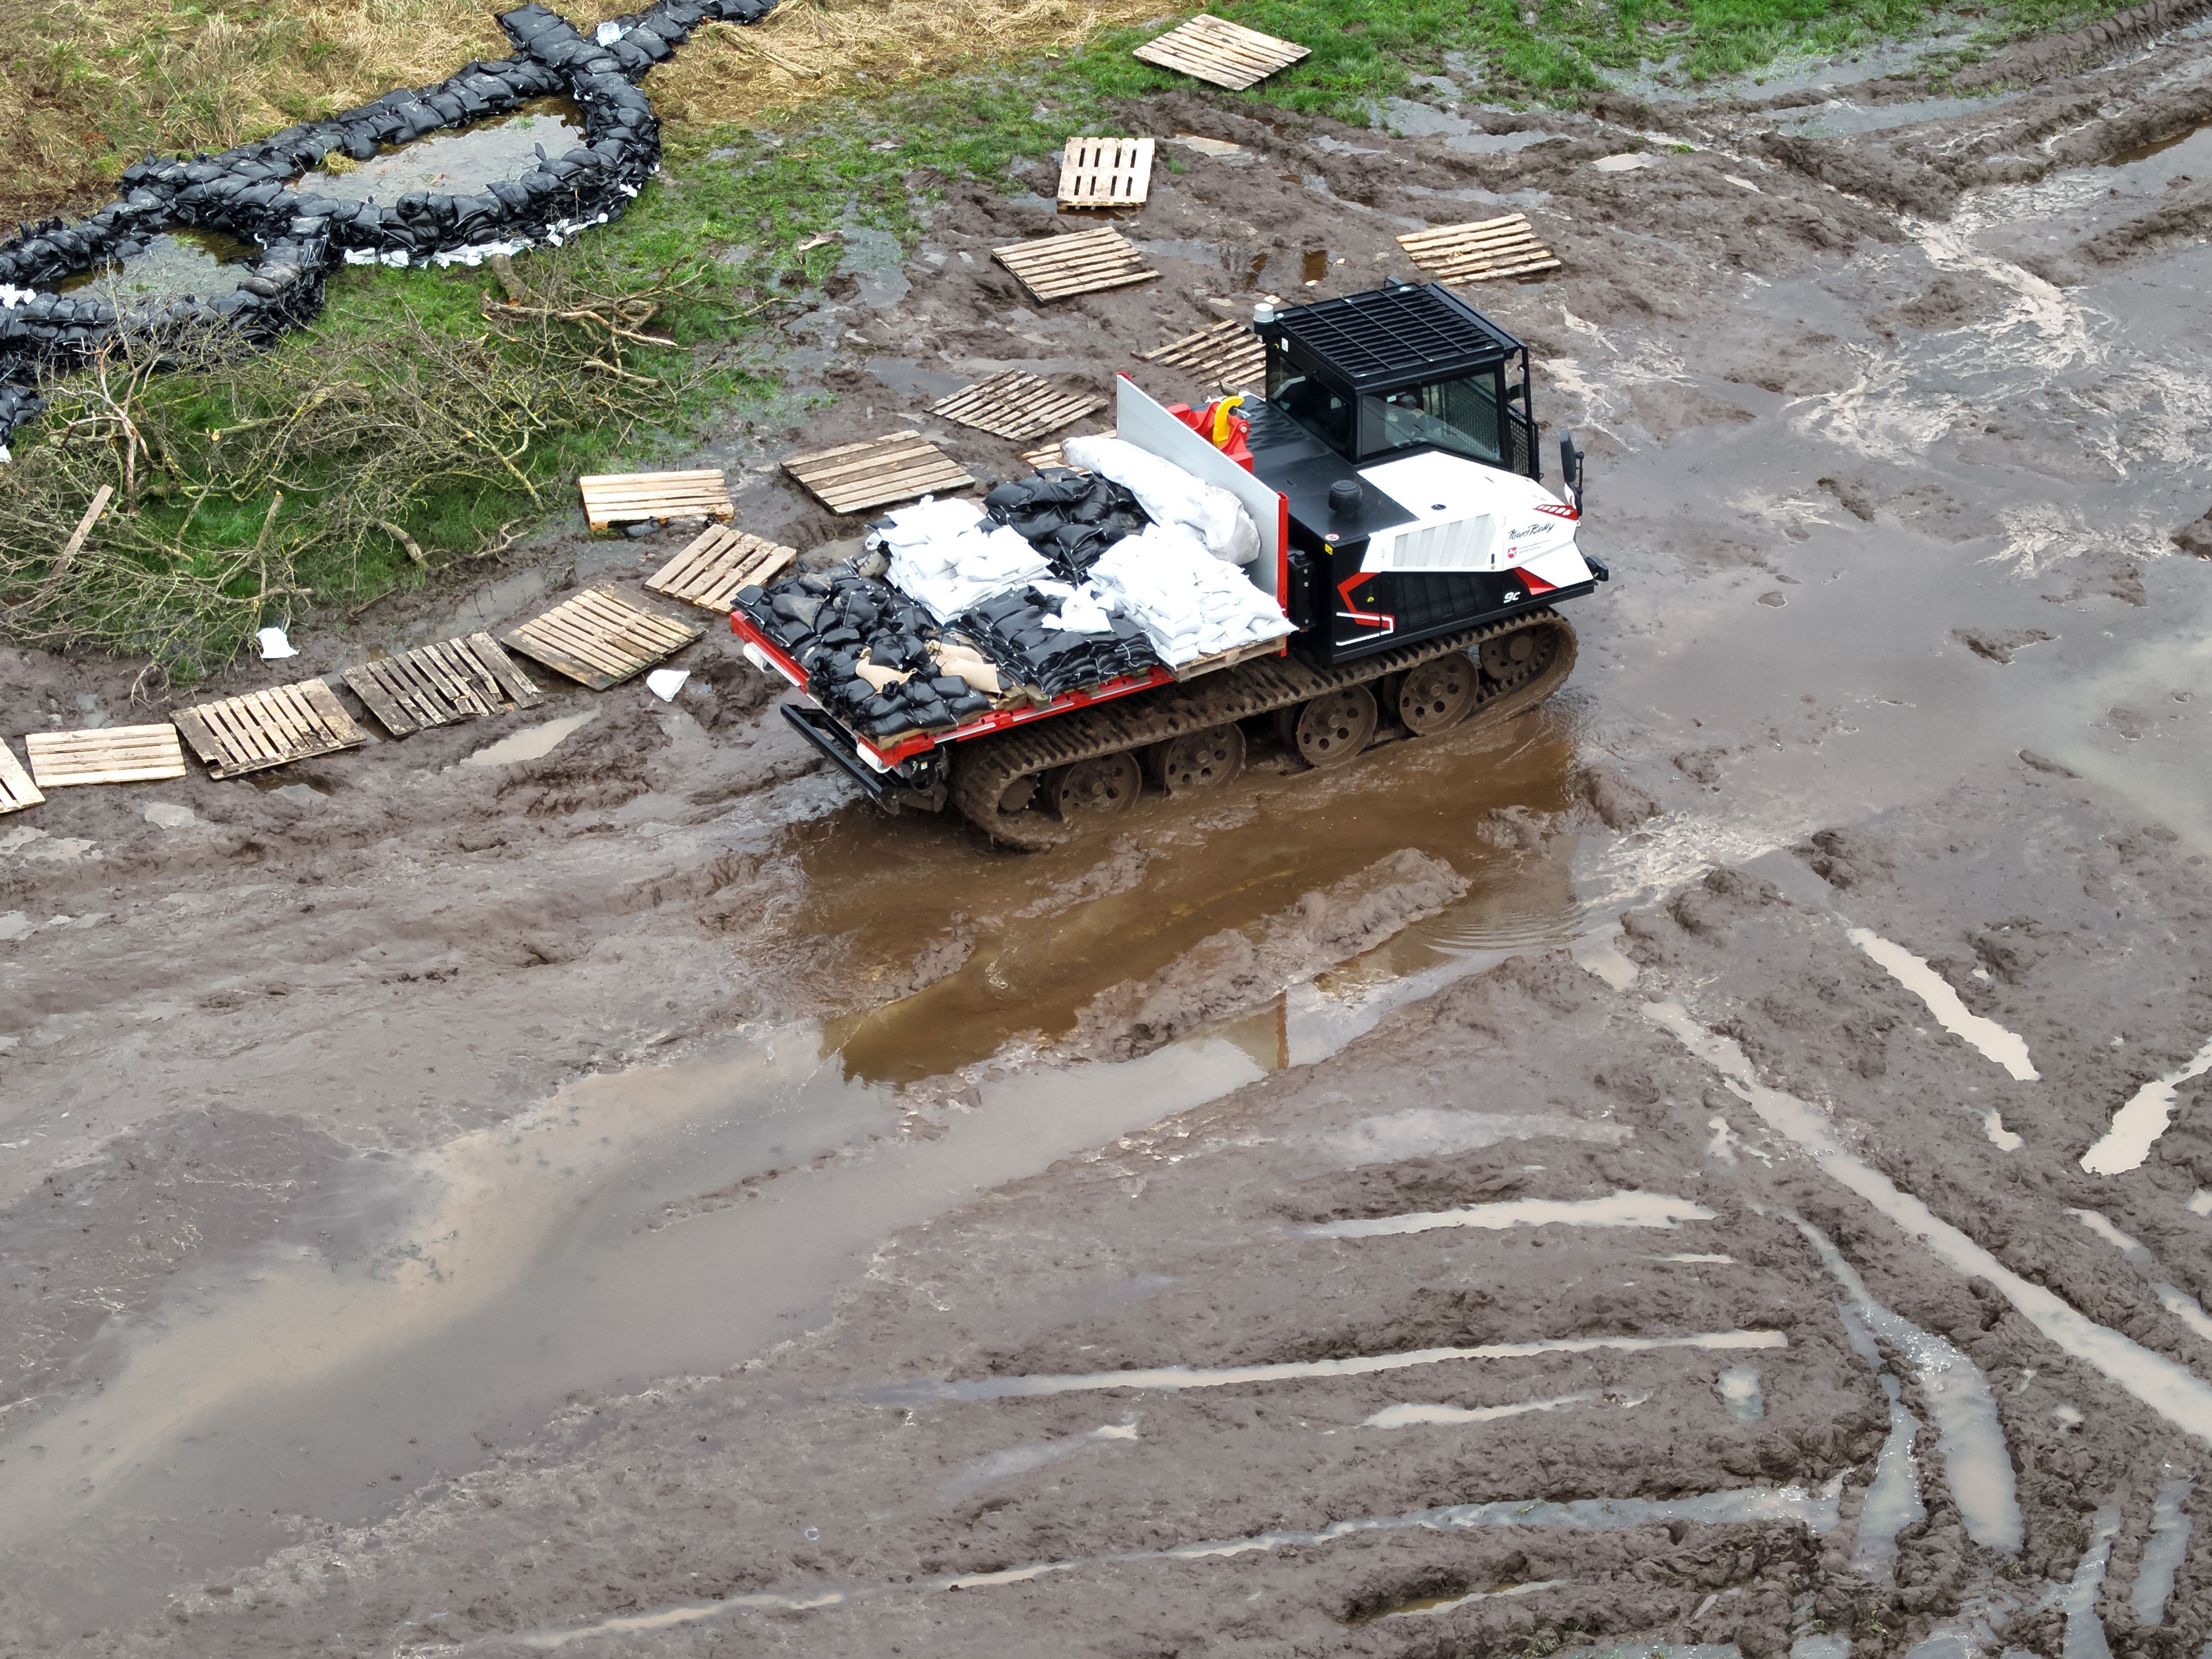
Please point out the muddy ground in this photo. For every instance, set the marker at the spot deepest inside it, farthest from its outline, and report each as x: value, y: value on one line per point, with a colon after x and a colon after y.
x: 1616, y: 1179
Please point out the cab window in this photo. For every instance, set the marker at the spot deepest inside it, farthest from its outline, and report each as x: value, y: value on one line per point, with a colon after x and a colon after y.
x: 1320, y: 411
x: 1460, y: 415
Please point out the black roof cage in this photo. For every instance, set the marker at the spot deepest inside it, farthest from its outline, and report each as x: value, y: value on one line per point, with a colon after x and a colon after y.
x: 1394, y: 337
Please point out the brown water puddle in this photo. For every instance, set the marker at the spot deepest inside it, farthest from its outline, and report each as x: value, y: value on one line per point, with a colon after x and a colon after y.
x: 1047, y: 942
x: 1250, y: 270
x: 457, y: 163
x: 2159, y: 147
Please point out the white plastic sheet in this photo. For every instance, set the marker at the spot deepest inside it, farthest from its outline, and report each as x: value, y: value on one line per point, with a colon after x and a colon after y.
x: 273, y: 645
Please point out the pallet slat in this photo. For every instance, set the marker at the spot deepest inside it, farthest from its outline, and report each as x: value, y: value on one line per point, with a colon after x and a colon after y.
x: 107, y: 754
x: 1228, y: 659
x: 612, y: 498
x: 710, y: 571
x: 455, y: 679
x: 260, y: 729
x: 17, y: 789
x: 853, y: 477
x: 1212, y: 49
x: 1082, y: 262
x: 1229, y: 355
x: 601, y: 637
x: 1481, y: 251
x: 851, y: 460
x: 1105, y: 173
x: 1015, y: 406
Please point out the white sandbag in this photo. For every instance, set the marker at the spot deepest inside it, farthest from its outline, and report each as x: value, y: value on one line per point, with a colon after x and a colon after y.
x: 1086, y: 610
x: 1189, y: 604
x: 1170, y: 496
x: 928, y: 519
x: 948, y: 556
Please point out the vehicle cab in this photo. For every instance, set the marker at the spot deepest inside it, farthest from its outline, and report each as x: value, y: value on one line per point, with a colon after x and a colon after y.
x: 1398, y: 427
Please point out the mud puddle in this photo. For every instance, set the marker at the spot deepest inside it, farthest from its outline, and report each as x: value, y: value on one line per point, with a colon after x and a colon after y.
x: 1248, y: 269
x: 2159, y: 147
x: 1050, y: 932
x: 458, y: 162
x: 532, y: 743
x: 641, y: 1224
x: 592, y: 1244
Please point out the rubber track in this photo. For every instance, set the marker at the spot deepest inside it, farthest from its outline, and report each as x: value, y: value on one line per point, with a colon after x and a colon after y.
x: 983, y: 768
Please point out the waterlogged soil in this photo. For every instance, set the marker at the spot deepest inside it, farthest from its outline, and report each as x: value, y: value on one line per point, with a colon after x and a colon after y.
x: 579, y: 1181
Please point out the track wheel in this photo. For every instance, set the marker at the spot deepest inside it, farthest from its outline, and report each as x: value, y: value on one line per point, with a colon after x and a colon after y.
x: 1197, y: 760
x: 1334, y: 727
x: 1020, y: 795
x: 1097, y: 788
x: 1436, y: 695
x: 1509, y: 656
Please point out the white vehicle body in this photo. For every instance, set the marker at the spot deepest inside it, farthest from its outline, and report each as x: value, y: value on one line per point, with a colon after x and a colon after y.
x: 1469, y: 517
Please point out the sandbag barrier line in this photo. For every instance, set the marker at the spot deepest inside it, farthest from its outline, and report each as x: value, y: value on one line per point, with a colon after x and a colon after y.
x: 303, y: 237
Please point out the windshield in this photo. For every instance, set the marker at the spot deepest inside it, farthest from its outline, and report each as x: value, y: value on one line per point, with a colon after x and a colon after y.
x: 1314, y: 406
x: 1460, y: 415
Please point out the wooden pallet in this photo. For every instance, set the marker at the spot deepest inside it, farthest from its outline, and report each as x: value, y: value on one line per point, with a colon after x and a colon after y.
x: 1227, y: 54
x: 1481, y: 251
x: 261, y: 729
x: 17, y: 789
x: 602, y: 636
x: 1228, y: 659
x: 1105, y: 173
x: 462, y: 679
x: 105, y: 754
x: 1015, y: 406
x: 709, y: 572
x: 1083, y: 262
x: 853, y: 477
x: 1050, y: 454
x: 613, y: 498
x: 1229, y: 355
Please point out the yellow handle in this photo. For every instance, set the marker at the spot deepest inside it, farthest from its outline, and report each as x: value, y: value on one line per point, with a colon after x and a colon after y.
x: 1222, y: 411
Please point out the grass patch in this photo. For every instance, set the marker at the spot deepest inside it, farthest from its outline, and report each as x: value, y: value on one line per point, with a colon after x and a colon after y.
x: 423, y: 422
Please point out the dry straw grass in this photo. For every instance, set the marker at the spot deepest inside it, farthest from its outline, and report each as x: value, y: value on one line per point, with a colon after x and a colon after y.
x: 86, y: 86
x: 815, y: 49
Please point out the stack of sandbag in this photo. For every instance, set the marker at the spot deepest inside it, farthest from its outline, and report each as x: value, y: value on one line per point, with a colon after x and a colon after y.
x: 871, y: 655
x: 946, y: 554
x: 1052, y: 640
x: 1188, y: 603
x: 1170, y: 496
x: 1069, y: 517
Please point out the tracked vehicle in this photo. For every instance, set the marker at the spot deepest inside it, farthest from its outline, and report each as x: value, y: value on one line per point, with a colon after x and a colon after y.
x: 1394, y: 473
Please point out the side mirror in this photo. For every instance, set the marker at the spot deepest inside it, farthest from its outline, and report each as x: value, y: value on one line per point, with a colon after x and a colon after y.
x: 1571, y: 468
